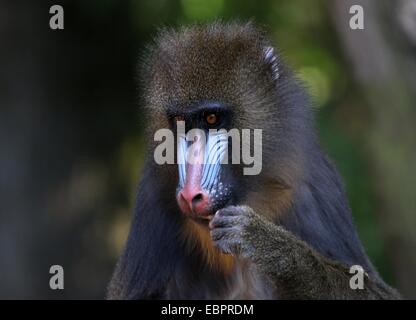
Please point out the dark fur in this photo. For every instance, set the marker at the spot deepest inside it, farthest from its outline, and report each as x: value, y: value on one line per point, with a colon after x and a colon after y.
x: 299, y: 188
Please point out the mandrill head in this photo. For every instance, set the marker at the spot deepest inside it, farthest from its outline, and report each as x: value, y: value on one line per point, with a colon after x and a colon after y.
x: 227, y: 101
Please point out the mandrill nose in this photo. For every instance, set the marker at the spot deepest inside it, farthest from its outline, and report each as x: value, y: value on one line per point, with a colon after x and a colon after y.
x: 193, y: 200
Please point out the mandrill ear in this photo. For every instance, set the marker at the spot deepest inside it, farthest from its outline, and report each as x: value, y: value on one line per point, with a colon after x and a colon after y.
x: 271, y: 59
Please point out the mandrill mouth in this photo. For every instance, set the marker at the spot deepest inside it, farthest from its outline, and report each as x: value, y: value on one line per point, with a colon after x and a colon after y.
x: 203, y: 220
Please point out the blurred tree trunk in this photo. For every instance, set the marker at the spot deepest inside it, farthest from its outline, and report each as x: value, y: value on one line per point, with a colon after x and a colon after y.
x: 382, y: 57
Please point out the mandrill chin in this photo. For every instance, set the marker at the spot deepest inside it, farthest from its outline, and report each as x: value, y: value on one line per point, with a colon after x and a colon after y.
x: 206, y: 228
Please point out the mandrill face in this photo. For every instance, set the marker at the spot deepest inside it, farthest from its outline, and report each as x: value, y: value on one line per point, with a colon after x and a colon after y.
x: 205, y: 179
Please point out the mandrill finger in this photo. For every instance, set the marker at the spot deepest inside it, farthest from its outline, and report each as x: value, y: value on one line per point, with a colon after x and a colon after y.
x: 223, y: 221
x: 223, y: 233
x: 230, y: 211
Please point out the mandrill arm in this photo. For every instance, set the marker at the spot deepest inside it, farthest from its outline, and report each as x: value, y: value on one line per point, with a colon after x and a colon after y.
x: 295, y: 268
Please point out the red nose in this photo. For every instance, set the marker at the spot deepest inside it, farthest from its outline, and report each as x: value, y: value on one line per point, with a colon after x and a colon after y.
x: 193, y: 200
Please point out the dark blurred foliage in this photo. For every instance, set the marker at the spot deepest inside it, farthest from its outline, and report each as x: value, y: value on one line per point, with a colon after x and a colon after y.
x: 71, y: 129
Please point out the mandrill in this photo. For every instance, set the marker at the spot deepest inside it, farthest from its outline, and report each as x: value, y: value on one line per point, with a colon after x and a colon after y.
x: 208, y: 230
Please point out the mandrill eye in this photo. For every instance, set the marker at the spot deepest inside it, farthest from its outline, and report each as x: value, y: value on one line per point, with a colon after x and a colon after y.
x: 211, y: 118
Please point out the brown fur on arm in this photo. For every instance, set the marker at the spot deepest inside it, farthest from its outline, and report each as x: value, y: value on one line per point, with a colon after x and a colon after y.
x: 297, y: 270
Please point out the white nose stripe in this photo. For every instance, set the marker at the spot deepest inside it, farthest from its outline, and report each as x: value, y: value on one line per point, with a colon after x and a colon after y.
x: 215, y: 149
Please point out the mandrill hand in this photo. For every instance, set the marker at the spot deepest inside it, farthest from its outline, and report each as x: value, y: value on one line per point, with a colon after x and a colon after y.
x: 233, y: 227
x: 229, y: 228
x: 239, y: 230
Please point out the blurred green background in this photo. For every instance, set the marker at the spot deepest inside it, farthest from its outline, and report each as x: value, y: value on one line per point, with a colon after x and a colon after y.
x: 71, y: 126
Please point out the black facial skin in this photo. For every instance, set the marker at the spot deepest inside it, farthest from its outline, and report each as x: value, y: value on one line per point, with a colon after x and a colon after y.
x: 193, y: 115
